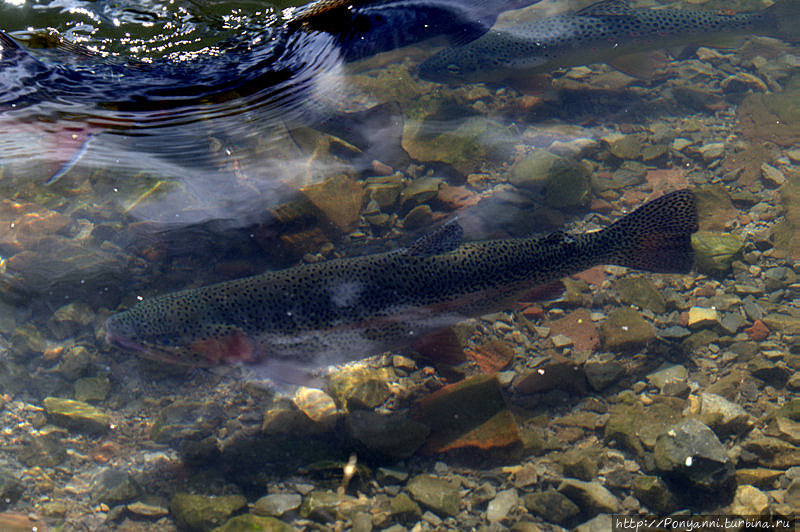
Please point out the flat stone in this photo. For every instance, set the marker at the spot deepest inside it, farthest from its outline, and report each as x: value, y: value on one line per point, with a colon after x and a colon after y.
x: 552, y: 506
x: 468, y: 414
x: 641, y: 292
x: 504, y: 502
x: 670, y: 379
x: 761, y: 477
x: 773, y: 453
x: 76, y: 415
x: 147, y: 510
x: 626, y: 147
x: 277, y: 504
x: 602, y: 371
x: 579, y: 328
x: 700, y: 317
x: 591, y: 497
x: 788, y: 429
x: 624, y: 329
x: 438, y: 494
x: 711, y: 151
x: 403, y: 508
x: 772, y: 176
x: 339, y: 199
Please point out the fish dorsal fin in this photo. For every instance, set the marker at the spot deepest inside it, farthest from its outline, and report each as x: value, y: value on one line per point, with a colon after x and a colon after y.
x: 607, y: 8
x: 444, y: 239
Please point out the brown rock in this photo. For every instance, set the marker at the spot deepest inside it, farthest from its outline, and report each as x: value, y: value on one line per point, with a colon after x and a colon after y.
x: 557, y: 373
x: 758, y: 331
x: 577, y: 326
x: 339, y: 199
x: 469, y: 414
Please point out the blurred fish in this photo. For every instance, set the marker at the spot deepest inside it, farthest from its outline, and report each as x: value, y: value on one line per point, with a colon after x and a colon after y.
x: 610, y: 31
x: 294, y: 322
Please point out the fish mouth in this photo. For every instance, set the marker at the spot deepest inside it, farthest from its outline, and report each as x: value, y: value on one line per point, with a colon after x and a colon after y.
x: 130, y: 346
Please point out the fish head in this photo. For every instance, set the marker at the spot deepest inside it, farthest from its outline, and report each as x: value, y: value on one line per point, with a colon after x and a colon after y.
x: 495, y: 57
x: 453, y: 65
x: 175, y: 334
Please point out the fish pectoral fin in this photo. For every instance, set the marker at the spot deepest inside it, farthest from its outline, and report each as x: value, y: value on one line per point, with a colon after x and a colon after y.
x: 231, y: 346
x: 607, y: 8
x: 640, y: 65
x: 445, y: 238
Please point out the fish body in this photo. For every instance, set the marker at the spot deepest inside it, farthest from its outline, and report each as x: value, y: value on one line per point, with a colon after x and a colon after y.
x: 609, y: 31
x: 299, y: 320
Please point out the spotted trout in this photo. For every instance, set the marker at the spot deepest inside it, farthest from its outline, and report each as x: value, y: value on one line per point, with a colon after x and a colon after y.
x: 294, y: 322
x: 610, y: 31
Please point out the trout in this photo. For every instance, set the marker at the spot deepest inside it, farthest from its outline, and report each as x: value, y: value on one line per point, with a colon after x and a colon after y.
x: 610, y: 32
x: 294, y: 322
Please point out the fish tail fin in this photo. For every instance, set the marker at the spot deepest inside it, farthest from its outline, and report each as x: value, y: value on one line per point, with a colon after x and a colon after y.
x: 785, y: 16
x: 656, y: 236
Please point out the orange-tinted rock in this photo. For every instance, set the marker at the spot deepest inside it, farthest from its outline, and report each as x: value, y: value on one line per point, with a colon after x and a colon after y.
x: 557, y: 373
x: 456, y: 197
x: 468, y: 414
x: 578, y: 327
x: 758, y: 331
x: 499, y: 431
x: 491, y: 356
x: 594, y: 276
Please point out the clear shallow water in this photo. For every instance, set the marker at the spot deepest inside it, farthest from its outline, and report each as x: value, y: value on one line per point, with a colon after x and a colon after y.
x: 163, y: 200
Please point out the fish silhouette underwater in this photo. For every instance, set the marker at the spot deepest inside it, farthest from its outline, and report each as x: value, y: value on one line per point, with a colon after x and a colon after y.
x: 290, y: 324
x: 610, y: 31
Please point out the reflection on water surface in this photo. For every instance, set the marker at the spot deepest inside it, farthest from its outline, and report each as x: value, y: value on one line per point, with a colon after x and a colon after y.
x: 194, y: 143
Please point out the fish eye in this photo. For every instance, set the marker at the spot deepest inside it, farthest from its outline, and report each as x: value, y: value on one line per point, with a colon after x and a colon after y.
x: 453, y: 69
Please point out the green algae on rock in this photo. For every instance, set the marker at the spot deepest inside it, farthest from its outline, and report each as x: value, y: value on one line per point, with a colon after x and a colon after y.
x: 714, y: 252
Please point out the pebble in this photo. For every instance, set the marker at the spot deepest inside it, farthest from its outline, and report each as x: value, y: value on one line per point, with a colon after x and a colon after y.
x: 499, y: 507
x: 700, y: 317
x: 277, y: 504
x: 772, y: 176
x: 711, y: 151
